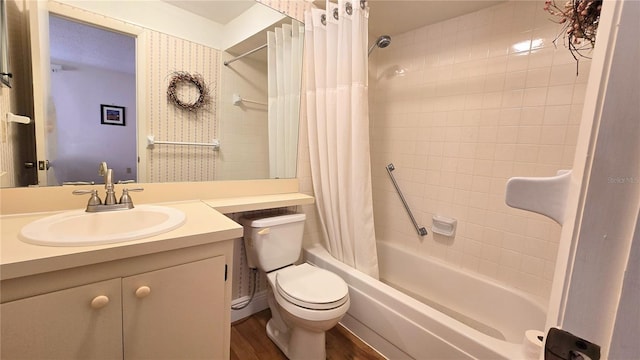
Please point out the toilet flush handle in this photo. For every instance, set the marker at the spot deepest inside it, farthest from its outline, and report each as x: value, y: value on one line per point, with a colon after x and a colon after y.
x: 264, y: 231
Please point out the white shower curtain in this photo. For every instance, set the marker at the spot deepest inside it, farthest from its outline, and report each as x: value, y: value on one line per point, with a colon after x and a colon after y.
x: 338, y: 121
x: 284, y: 51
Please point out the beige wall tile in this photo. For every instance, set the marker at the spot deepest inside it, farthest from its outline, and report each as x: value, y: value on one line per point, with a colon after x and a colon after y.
x: 507, y: 103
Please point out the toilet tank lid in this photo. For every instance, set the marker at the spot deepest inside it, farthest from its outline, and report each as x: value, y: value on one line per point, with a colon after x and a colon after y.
x: 273, y: 221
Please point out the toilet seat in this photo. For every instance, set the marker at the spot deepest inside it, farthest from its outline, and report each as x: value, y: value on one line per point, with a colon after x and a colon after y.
x: 310, y: 287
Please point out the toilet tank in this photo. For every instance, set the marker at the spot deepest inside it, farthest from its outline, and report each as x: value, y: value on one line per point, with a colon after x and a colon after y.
x: 273, y: 242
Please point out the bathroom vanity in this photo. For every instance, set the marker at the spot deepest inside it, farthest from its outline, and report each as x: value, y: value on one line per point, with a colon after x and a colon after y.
x: 165, y: 296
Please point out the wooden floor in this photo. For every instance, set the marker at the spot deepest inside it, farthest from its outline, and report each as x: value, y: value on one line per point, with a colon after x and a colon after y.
x: 249, y: 341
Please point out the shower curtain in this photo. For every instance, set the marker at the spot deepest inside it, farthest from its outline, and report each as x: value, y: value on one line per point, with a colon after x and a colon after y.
x: 338, y: 129
x: 284, y: 52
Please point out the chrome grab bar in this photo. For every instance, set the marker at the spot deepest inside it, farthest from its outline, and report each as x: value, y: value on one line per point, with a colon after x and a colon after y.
x: 422, y: 231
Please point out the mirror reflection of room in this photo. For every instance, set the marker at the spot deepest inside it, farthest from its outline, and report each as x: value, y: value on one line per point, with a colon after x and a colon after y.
x: 150, y: 139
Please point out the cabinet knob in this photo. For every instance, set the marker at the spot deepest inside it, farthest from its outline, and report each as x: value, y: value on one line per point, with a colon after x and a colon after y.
x: 99, y: 302
x: 143, y: 291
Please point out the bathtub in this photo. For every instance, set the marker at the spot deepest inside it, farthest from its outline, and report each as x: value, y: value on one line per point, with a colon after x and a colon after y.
x: 460, y: 316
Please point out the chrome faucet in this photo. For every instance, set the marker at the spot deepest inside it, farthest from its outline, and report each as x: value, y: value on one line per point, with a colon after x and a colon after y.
x: 110, y: 203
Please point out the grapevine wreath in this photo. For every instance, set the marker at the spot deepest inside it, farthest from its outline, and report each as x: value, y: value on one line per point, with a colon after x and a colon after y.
x: 182, y: 78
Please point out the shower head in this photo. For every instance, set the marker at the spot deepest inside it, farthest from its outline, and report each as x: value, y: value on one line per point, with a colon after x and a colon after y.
x: 381, y: 42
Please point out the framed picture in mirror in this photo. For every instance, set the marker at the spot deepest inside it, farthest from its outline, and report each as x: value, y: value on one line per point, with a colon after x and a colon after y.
x: 112, y: 115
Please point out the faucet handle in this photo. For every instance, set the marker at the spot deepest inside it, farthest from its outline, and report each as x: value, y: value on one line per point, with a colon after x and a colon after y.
x: 93, y: 200
x: 138, y: 189
x: 126, y: 199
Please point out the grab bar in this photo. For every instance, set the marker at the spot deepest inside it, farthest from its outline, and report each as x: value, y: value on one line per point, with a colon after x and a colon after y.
x: 422, y: 231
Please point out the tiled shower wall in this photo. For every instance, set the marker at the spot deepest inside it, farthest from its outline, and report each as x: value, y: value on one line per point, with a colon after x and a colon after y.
x: 461, y: 106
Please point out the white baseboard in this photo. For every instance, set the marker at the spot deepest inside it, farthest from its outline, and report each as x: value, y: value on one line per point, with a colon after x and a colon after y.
x: 258, y: 303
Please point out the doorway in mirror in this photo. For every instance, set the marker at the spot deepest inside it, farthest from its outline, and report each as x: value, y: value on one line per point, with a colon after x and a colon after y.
x: 93, y: 94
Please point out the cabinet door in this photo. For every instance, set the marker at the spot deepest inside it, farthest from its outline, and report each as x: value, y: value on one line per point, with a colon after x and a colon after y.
x: 84, y: 322
x: 175, y: 313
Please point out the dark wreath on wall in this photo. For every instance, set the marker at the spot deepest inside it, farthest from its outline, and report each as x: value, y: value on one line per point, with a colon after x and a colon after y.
x: 182, y: 78
x: 580, y: 20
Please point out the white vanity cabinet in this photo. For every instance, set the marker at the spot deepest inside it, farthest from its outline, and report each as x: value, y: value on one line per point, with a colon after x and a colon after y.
x: 175, y: 313
x: 171, y: 313
x: 63, y: 324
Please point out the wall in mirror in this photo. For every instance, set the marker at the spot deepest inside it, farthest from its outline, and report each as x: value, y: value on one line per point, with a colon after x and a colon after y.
x: 167, y: 54
x: 167, y: 48
x: 12, y: 100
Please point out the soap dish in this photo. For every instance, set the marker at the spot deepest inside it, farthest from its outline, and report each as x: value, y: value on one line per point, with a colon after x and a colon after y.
x: 444, y: 226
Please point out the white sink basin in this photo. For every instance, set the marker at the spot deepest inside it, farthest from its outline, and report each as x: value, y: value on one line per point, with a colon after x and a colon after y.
x: 78, y: 228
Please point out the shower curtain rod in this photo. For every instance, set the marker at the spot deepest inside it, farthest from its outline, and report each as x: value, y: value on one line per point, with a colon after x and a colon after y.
x: 226, y: 63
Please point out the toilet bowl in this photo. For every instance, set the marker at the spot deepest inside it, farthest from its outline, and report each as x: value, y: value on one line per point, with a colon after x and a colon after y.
x: 305, y: 301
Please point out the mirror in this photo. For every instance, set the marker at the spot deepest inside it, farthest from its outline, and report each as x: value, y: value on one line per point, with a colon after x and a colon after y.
x: 256, y: 130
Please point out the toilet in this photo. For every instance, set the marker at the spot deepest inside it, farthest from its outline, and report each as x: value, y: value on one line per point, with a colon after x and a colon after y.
x: 305, y: 301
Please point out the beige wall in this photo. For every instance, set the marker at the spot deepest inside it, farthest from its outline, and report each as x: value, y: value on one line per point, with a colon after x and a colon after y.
x: 166, y: 54
x: 293, y: 8
x: 243, y: 128
x: 459, y: 109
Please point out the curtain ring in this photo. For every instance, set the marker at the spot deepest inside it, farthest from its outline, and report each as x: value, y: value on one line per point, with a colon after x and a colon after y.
x: 363, y: 4
x: 335, y: 14
x: 323, y: 19
x: 349, y: 8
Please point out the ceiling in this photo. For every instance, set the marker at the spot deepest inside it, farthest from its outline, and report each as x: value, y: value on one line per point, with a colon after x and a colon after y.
x: 386, y: 17
x: 75, y: 43
x: 389, y: 17
x: 229, y: 10
x: 393, y: 17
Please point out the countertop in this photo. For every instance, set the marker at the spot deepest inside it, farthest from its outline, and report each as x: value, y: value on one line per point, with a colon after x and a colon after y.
x: 258, y: 202
x: 203, y: 225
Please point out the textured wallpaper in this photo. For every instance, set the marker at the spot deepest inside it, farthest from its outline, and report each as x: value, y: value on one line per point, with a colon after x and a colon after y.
x: 166, y: 122
x: 292, y: 8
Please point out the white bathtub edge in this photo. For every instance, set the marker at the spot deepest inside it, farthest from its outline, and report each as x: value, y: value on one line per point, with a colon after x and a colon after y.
x: 316, y: 255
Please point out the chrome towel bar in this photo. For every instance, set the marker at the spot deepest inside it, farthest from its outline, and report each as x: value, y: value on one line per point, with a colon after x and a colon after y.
x: 422, y: 231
